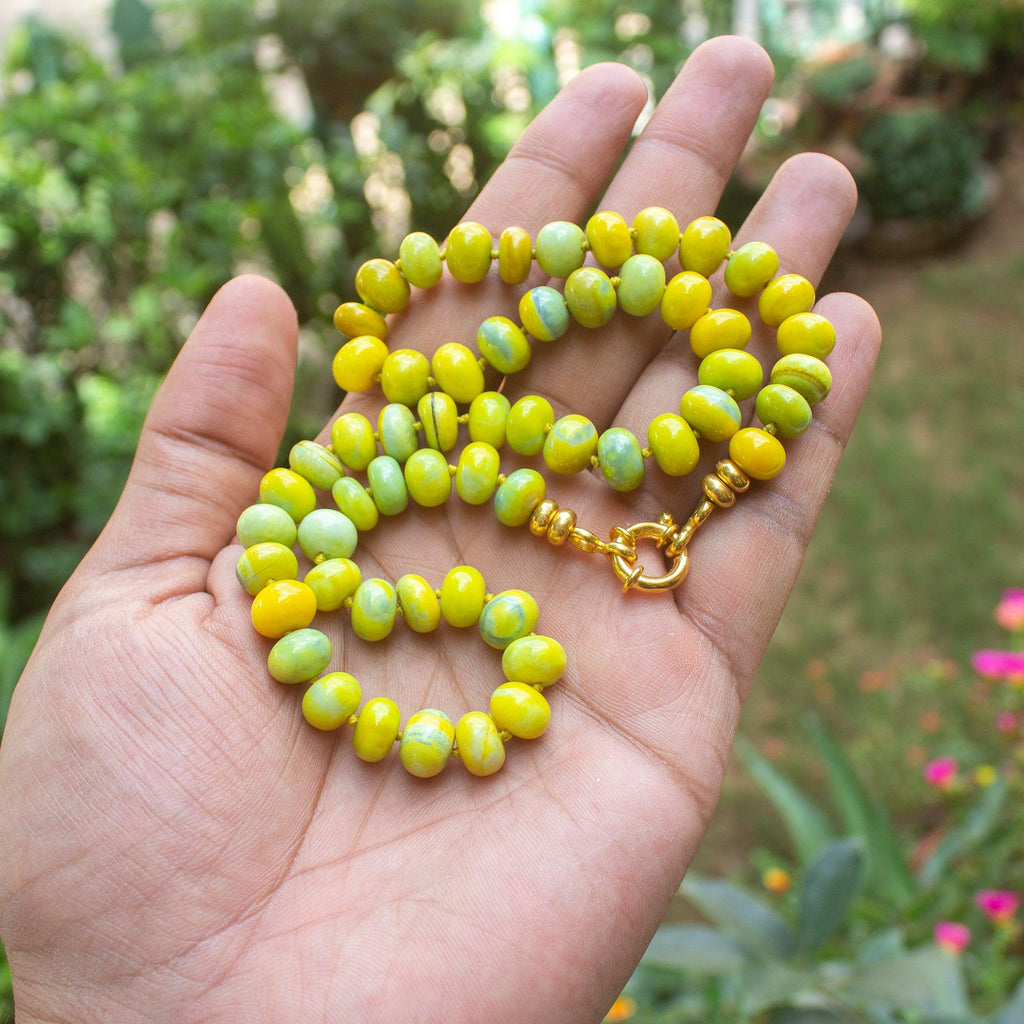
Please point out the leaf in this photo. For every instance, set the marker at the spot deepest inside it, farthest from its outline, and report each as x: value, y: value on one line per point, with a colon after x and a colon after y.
x: 767, y: 984
x: 1011, y: 1012
x: 742, y: 916
x: 927, y: 980
x: 808, y: 828
x: 803, y: 1015
x: 827, y: 889
x: 882, y: 946
x: 693, y: 947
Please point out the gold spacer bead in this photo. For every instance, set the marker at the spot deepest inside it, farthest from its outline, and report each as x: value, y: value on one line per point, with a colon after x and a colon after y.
x: 718, y: 491
x: 562, y: 523
x: 728, y: 471
x: 541, y: 516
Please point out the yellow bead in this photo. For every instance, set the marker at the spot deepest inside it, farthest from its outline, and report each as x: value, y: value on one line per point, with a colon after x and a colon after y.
x: 657, y: 232
x: 353, y: 319
x: 685, y: 300
x: 520, y: 709
x: 332, y: 581
x: 476, y: 475
x: 427, y: 478
x: 358, y: 362
x: 376, y: 729
x: 352, y: 498
x: 537, y: 660
x: 805, y: 374
x: 286, y: 489
x: 421, y: 260
x: 750, y: 268
x: 374, y: 606
x: 528, y: 421
x: 419, y: 603
x: 478, y: 743
x: 353, y: 441
x: 403, y: 376
x: 427, y: 741
x: 704, y: 244
x: 544, y: 313
x: 458, y: 372
x: 503, y: 344
x: 382, y: 286
x: 711, y: 412
x: 641, y: 285
x: 263, y: 563
x: 396, y: 425
x: 806, y: 334
x: 316, y: 464
x: 609, y: 238
x: 440, y: 420
x: 590, y: 296
x: 516, y: 498
x: 507, y: 617
x: 674, y: 445
x: 785, y: 297
x: 331, y: 700
x: 488, y: 416
x: 757, y: 453
x: 462, y: 596
x: 717, y: 329
x: 570, y: 444
x: 560, y: 248
x: 515, y: 255
x: 468, y: 252
x: 281, y: 607
x: 738, y: 373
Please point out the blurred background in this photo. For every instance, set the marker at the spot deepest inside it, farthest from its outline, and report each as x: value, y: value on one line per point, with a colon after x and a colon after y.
x: 150, y: 149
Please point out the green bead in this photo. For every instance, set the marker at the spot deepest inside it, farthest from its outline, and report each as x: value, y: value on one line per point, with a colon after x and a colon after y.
x: 488, y: 415
x: 476, y: 475
x: 805, y: 374
x: 420, y: 257
x: 560, y: 248
x: 332, y: 581
x: 544, y: 313
x: 263, y: 563
x: 418, y: 602
x: 528, y: 421
x: 316, y: 464
x: 571, y: 444
x: 503, y: 344
x: 731, y: 370
x: 427, y: 741
x: 427, y: 478
x: 262, y: 522
x: 787, y: 409
x: 300, y: 655
x: 375, y: 731
x: 330, y: 700
x: 673, y: 443
x: 621, y: 459
x: 641, y: 284
x: 286, y: 489
x: 711, y: 412
x: 518, y: 496
x: 458, y: 372
x: 462, y: 596
x: 351, y: 498
x: 374, y: 606
x: 590, y: 296
x: 387, y: 486
x: 353, y: 441
x: 440, y: 420
x: 396, y: 424
x: 327, y: 533
x: 507, y: 617
x: 535, y: 660
x: 750, y: 268
x: 403, y: 377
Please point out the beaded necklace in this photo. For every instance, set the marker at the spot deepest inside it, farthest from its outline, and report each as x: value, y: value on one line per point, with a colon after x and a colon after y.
x: 405, y: 456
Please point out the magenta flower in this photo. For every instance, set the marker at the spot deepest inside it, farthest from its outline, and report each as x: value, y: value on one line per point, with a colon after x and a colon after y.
x: 952, y: 936
x: 1006, y: 721
x: 999, y: 664
x: 941, y: 773
x: 1010, y: 610
x: 998, y: 905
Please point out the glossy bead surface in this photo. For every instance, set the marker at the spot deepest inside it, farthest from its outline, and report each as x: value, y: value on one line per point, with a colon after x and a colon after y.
x: 674, y: 445
x: 403, y: 376
x: 520, y: 709
x: 570, y: 444
x: 262, y: 522
x: 476, y: 474
x: 517, y: 497
x: 757, y: 453
x: 609, y: 238
x: 427, y: 741
x: 458, y: 372
x: 528, y: 421
x: 332, y: 581
x: 381, y: 285
x: 731, y: 370
x: 376, y: 730
x: 503, y: 344
x: 787, y: 410
x: 488, y: 417
x: 641, y: 285
x: 355, y: 318
x: 462, y: 596
x: 331, y: 700
x: 281, y: 607
x: 374, y: 607
x: 418, y: 602
x: 507, y: 617
x: 711, y: 412
x: 420, y: 257
x: 806, y: 334
x: 263, y: 563
x: 316, y: 464
x: 803, y: 373
x: 351, y: 498
x: 468, y: 252
x: 686, y: 299
x: 621, y: 459
x: 387, y: 486
x: 515, y: 255
x: 536, y: 660
x: 590, y: 297
x: 358, y: 362
x: 396, y: 425
x: 704, y: 244
x: 327, y: 533
x: 559, y: 248
x: 286, y: 489
x: 719, y: 328
x: 478, y: 744
x: 656, y: 232
x: 300, y: 655
x: 544, y: 314
x: 440, y: 420
x: 353, y: 441
x: 750, y: 268
x: 427, y: 478
x: 785, y: 297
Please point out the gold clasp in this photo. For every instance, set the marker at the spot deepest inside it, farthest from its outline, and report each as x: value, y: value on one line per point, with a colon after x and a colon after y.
x: 663, y: 533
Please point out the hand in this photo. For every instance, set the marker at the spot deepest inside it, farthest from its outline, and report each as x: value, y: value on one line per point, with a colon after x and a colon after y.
x: 179, y: 845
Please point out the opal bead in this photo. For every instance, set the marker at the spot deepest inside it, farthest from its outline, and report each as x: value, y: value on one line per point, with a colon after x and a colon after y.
x: 803, y: 373
x: 316, y: 463
x: 536, y: 659
x: 488, y: 416
x: 783, y: 407
x: 376, y: 729
x: 332, y: 581
x: 673, y: 443
x: 262, y: 522
x: 476, y: 474
x: 757, y: 453
x: 750, y: 268
x: 560, y: 248
x: 427, y: 478
x: 263, y: 563
x: 641, y: 285
x: 462, y: 596
x: 621, y: 459
x: 703, y: 245
x: 286, y: 489
x: 731, y: 370
x: 374, y: 607
x: 440, y: 419
x: 507, y: 617
x: 353, y: 319
x: 656, y: 232
x: 327, y: 533
x: 458, y: 372
x: 427, y: 741
x: 503, y: 344
x: 590, y: 296
x: 478, y: 743
x: 517, y: 497
x: 609, y: 237
x: 784, y: 297
x: 419, y: 604
x: 282, y: 606
x: 544, y: 313
x: 351, y: 498
x: 711, y: 412
x: 404, y: 376
x: 330, y: 701
x: 686, y: 299
x: 420, y: 257
x: 468, y: 252
x: 353, y: 441
x: 396, y: 424
x: 387, y: 486
x: 382, y: 286
x: 570, y: 444
x: 299, y: 655
x: 521, y: 709
x: 806, y: 334
x: 528, y: 422
x: 719, y: 328
x: 358, y: 363
x: 515, y: 255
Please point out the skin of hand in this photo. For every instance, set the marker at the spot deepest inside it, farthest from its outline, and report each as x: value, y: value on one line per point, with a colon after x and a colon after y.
x: 178, y: 844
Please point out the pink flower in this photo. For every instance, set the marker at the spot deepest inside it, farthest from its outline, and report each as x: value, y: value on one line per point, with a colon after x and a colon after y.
x: 1010, y: 610
x: 1006, y: 721
x: 952, y: 936
x: 999, y: 664
x: 998, y: 905
x: 941, y: 773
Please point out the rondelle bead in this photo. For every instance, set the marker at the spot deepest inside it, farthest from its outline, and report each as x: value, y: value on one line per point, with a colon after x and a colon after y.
x: 282, y: 606
x: 528, y: 422
x: 609, y: 237
x: 570, y: 444
x: 440, y: 420
x: 507, y: 617
x: 518, y: 495
x: 673, y: 443
x: 478, y: 743
x: 621, y: 459
x: 327, y: 533
x: 560, y: 248
x: 418, y: 603
x: 488, y: 416
x: 376, y: 729
x: 520, y: 709
x: 462, y: 596
x: 785, y: 409
x: 703, y: 245
x: 590, y: 296
x: 468, y: 252
x: 299, y: 655
x: 544, y: 314
x: 387, y: 486
x: 503, y: 344
x: 806, y: 334
x: 404, y: 376
x: 656, y: 232
x: 396, y: 425
x: 738, y: 373
x: 537, y: 660
x: 420, y: 257
x: 262, y: 522
x: 803, y: 373
x: 784, y: 297
x: 641, y: 285
x: 353, y: 441
x: 286, y: 489
x: 476, y: 474
x: 374, y: 606
x: 515, y: 255
x: 686, y: 299
x: 317, y: 464
x: 750, y: 268
x: 330, y: 701
x: 332, y: 581
x: 352, y: 498
x: 757, y: 453
x: 711, y: 412
x: 358, y: 362
x: 427, y: 478
x: 719, y: 328
x: 382, y: 286
x: 263, y: 563
x: 458, y: 372
x: 353, y: 319
x: 427, y: 741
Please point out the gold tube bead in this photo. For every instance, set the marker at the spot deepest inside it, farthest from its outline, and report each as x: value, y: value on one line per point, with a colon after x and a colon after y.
x: 561, y: 525
x: 542, y: 516
x: 718, y: 490
x: 728, y: 471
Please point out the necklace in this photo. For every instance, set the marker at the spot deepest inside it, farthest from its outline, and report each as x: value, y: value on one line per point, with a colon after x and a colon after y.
x: 406, y: 456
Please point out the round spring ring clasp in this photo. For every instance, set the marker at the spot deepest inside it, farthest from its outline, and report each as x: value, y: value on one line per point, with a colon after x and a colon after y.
x: 633, y: 575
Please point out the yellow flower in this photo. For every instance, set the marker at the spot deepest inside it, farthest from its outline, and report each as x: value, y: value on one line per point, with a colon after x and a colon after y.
x: 777, y: 880
x: 622, y: 1009
x: 985, y: 775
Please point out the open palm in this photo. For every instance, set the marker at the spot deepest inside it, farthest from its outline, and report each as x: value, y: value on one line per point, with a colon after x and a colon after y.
x: 179, y: 845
